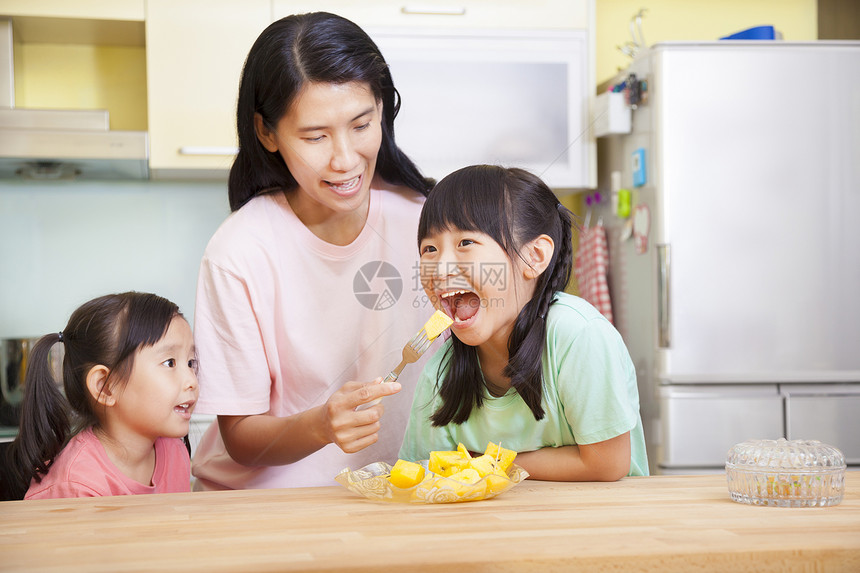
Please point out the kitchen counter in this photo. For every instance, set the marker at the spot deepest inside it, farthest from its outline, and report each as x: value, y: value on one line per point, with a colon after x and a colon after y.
x: 659, y: 523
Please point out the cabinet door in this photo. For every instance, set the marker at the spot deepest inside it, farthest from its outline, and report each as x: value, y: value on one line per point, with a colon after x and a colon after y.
x: 506, y: 82
x: 700, y: 424
x: 195, y: 51
x: 132, y: 10
x: 829, y: 413
x: 535, y: 14
x: 513, y: 98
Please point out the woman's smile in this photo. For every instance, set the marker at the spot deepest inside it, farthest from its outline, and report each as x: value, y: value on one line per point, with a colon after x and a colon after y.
x: 346, y: 188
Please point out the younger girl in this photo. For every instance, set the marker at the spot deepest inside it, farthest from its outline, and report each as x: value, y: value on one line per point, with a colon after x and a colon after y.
x: 129, y: 374
x: 533, y: 368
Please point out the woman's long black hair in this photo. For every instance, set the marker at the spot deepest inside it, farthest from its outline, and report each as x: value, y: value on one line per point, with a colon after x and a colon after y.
x: 105, y: 331
x: 315, y: 47
x: 513, y: 207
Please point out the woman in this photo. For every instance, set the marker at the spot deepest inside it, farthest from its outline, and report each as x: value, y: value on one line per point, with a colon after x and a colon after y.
x: 308, y: 291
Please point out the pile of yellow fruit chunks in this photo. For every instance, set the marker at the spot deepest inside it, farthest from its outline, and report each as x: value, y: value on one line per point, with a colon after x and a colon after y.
x: 457, y: 465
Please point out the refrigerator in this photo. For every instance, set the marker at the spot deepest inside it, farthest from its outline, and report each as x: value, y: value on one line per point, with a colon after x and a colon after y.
x: 731, y: 206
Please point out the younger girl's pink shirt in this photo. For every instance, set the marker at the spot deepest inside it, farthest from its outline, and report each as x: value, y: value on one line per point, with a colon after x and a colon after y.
x: 83, y: 469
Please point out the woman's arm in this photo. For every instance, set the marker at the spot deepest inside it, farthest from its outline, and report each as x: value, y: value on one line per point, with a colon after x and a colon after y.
x: 602, y: 461
x: 266, y: 440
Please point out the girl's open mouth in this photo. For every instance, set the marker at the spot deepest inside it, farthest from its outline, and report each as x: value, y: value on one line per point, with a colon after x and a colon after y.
x: 184, y: 409
x: 461, y: 305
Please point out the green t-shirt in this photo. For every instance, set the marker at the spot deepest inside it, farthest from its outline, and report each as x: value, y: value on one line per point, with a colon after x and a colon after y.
x: 589, y: 395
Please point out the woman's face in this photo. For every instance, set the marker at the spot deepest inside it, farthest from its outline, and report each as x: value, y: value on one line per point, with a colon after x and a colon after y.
x: 329, y: 139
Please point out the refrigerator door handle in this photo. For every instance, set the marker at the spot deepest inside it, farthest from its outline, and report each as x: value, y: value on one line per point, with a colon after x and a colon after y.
x: 664, y: 260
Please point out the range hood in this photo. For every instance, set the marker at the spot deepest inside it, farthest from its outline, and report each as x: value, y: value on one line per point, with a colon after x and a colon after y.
x: 62, y: 144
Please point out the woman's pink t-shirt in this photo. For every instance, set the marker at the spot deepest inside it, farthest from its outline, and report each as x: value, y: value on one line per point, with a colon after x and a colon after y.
x: 283, y: 319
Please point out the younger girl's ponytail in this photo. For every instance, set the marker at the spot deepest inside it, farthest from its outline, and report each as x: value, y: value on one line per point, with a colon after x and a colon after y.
x: 44, y: 424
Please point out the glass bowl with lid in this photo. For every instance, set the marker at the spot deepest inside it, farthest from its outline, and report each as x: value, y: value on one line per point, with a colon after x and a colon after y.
x: 786, y: 473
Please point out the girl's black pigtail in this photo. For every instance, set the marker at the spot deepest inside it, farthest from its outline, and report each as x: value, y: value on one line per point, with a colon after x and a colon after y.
x: 44, y: 424
x: 458, y: 398
x: 528, y: 338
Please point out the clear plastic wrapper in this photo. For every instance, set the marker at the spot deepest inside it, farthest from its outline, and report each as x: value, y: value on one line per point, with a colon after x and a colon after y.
x: 371, y: 482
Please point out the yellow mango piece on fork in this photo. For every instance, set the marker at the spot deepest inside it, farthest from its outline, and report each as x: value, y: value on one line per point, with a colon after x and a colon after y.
x: 437, y: 324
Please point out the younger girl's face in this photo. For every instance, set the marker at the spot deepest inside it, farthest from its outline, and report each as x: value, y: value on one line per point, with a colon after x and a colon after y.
x: 470, y: 277
x: 162, y: 390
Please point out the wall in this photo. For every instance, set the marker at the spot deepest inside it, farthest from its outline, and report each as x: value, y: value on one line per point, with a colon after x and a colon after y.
x: 671, y: 20
x: 63, y: 243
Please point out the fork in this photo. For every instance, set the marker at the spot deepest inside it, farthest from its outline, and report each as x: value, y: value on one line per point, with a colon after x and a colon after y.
x: 413, y: 350
x: 416, y: 347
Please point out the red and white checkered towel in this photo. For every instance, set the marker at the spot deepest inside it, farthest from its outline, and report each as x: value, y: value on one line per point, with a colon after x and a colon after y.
x: 591, y: 269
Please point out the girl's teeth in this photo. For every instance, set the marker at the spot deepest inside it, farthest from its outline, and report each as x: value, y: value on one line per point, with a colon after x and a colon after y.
x: 452, y: 293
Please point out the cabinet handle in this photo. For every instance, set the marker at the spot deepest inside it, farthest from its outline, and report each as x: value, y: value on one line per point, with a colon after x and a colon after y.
x: 664, y: 260
x: 211, y: 150
x: 436, y: 10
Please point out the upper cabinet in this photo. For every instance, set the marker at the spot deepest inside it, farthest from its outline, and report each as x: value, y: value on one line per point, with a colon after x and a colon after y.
x: 534, y: 14
x: 195, y: 50
x: 507, y: 84
x: 131, y: 10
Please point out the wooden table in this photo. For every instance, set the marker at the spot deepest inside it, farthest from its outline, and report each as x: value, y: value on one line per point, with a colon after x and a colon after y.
x: 663, y: 523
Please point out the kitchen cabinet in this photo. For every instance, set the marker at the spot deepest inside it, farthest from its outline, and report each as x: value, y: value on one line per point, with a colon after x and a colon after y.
x: 701, y: 422
x: 537, y: 14
x: 194, y: 54
x: 87, y: 22
x: 80, y: 9
x: 69, y: 61
x: 829, y: 413
x: 509, y: 84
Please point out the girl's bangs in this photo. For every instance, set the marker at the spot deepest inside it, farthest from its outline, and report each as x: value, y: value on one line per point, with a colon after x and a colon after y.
x: 148, y: 321
x: 470, y: 199
x: 147, y: 318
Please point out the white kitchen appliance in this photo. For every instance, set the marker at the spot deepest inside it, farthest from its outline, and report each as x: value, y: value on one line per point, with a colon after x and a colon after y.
x: 735, y: 278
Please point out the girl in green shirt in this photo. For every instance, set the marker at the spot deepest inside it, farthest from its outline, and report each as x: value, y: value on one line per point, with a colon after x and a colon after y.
x: 540, y: 371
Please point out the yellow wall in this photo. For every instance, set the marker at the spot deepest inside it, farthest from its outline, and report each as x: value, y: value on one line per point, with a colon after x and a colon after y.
x: 667, y: 20
x: 72, y: 76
